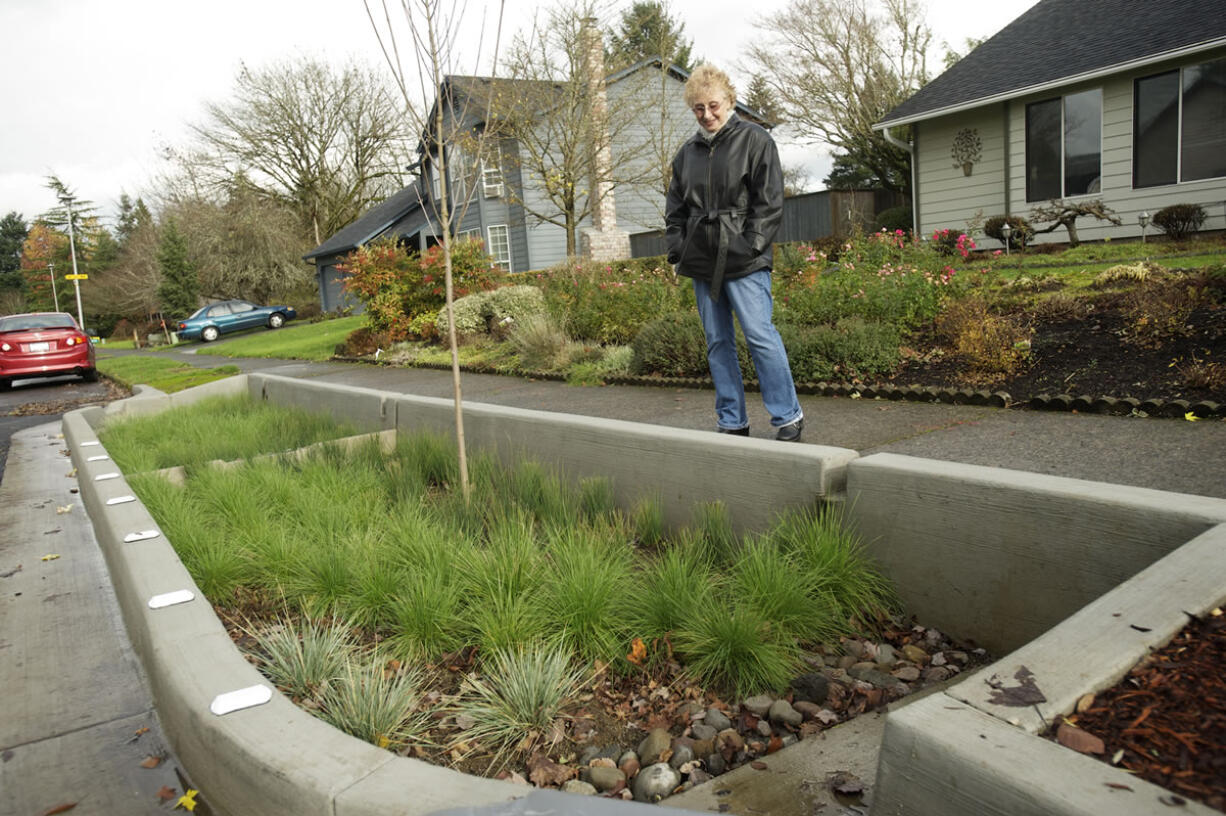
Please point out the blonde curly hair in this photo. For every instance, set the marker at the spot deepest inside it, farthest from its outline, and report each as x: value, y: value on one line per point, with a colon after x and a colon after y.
x: 707, y: 81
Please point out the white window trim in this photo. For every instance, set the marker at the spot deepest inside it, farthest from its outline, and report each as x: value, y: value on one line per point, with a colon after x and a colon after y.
x: 492, y: 166
x: 489, y: 245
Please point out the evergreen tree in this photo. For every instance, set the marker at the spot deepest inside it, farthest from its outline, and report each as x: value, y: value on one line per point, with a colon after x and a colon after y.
x: 13, y: 232
x: 761, y: 98
x: 647, y: 30
x: 132, y: 216
x: 177, y: 293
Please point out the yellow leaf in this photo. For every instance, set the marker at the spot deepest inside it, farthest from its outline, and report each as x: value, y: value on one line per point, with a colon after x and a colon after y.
x: 59, y: 511
x: 638, y: 652
x: 382, y: 741
x: 188, y: 800
x: 51, y: 556
x: 1191, y: 417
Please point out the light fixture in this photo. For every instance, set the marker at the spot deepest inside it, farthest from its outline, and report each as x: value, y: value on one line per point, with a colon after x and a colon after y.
x: 1006, y: 230
x: 1143, y: 220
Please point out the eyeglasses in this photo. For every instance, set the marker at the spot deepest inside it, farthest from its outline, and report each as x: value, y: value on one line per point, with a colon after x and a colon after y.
x: 713, y: 107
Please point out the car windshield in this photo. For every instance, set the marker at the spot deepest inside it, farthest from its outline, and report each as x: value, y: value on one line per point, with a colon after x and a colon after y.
x: 31, y: 322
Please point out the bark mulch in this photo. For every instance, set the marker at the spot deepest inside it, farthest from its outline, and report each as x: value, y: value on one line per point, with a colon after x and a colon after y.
x: 1166, y: 720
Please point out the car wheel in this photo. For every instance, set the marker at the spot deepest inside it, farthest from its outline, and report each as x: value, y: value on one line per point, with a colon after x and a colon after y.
x: 90, y: 375
x: 6, y: 385
x: 276, y: 320
x: 209, y: 334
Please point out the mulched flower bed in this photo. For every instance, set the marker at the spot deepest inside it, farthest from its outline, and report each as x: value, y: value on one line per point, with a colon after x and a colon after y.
x: 1166, y: 720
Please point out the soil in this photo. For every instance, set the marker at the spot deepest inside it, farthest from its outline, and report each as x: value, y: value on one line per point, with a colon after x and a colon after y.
x: 1097, y: 346
x: 1165, y: 721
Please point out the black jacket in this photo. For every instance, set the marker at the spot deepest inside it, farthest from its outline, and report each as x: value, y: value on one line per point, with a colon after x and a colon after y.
x: 725, y: 204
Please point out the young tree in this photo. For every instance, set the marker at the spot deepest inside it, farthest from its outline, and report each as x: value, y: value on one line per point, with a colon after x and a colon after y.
x: 646, y: 31
x: 178, y: 291
x: 325, y: 141
x: 761, y: 98
x: 44, y: 261
x: 838, y: 66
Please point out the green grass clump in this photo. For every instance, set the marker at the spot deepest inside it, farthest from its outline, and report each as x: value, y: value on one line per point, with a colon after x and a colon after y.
x: 166, y: 375
x: 303, y: 659
x: 378, y: 703
x: 190, y: 435
x: 296, y: 341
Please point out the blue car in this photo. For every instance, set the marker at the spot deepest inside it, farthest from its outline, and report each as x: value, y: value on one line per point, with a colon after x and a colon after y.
x: 212, y: 321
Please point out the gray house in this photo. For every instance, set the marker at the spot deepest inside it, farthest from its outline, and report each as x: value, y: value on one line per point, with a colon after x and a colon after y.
x: 1119, y: 100
x: 503, y: 192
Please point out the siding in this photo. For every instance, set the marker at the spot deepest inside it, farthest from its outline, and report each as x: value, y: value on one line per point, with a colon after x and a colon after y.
x: 942, y: 205
x: 657, y: 123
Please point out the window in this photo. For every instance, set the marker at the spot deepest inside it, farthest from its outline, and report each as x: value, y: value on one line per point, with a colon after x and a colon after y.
x: 1179, y: 125
x: 491, y: 173
x: 498, y: 245
x: 1064, y: 146
x: 469, y: 234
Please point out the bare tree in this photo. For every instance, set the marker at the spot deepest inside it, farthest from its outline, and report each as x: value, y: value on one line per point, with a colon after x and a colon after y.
x: 1065, y: 214
x: 548, y: 106
x: 448, y: 122
x: 325, y: 141
x: 838, y: 66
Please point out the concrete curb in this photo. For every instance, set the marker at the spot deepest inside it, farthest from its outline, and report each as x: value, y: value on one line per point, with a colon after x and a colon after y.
x: 939, y: 529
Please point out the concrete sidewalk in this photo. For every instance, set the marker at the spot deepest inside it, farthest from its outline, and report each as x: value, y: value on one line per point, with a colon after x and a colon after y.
x: 76, y: 717
x: 1163, y: 454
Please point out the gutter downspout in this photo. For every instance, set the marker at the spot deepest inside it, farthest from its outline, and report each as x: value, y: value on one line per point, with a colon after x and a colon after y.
x: 910, y: 149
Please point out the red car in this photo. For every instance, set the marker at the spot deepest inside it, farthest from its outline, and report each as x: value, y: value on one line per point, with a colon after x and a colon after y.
x: 43, y: 344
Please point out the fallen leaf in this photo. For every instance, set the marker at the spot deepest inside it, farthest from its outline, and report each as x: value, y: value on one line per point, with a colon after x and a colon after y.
x: 166, y: 794
x: 59, y: 511
x: 1191, y: 417
x: 1117, y: 786
x: 544, y: 772
x: 138, y: 732
x: 64, y: 808
x: 638, y: 652
x: 50, y: 557
x: 1025, y: 694
x: 188, y: 800
x: 1084, y: 703
x: 151, y: 762
x: 1083, y: 742
x: 72, y: 473
x: 845, y: 783
x: 758, y: 765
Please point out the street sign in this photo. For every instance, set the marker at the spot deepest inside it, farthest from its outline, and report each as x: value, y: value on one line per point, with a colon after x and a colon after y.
x: 76, y: 277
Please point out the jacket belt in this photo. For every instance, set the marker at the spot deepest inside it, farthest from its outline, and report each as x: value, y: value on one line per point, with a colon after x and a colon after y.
x: 726, y: 228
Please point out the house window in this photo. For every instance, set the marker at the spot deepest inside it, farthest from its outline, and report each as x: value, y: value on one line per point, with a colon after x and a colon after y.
x: 436, y: 188
x: 470, y: 234
x: 1179, y: 125
x: 498, y: 244
x: 1064, y: 146
x: 491, y: 173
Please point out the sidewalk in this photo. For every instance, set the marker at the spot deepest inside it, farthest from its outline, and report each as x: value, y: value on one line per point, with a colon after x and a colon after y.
x: 76, y: 718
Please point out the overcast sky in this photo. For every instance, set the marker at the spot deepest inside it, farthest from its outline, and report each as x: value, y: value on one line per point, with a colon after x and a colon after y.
x: 92, y: 88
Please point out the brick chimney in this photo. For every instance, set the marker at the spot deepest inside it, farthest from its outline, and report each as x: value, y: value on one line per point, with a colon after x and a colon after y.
x: 603, y: 241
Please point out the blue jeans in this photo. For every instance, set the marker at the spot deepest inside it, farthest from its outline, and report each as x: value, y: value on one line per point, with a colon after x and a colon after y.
x: 749, y: 298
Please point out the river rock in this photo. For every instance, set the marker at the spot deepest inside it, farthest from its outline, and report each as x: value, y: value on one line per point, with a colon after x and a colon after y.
x: 729, y: 739
x: 877, y: 678
x: 655, y: 782
x: 578, y: 786
x: 764, y: 727
x: 629, y: 765
x: 683, y: 752
x: 810, y: 687
x: 908, y: 674
x: 702, y: 731
x: 914, y: 653
x: 655, y: 743
x: 606, y: 779
x: 759, y: 704
x: 717, y: 720
x: 807, y: 710
x: 716, y: 764
x: 886, y: 656
x: 781, y: 711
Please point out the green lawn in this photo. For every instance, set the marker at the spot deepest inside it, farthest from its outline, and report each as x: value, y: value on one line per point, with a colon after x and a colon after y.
x: 163, y: 374
x: 302, y: 341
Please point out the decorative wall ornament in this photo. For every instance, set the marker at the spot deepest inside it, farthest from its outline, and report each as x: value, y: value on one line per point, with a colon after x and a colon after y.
x: 967, y: 149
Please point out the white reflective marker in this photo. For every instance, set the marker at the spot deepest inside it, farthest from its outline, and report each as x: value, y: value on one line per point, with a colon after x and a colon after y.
x: 242, y: 698
x: 90, y: 443
x: 171, y: 598
x: 120, y: 500
x: 142, y: 535
x: 99, y: 458
x: 102, y: 477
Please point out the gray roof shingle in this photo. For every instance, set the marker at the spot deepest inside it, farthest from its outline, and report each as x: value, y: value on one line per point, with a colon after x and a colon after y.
x: 1062, y: 39
x: 371, y: 223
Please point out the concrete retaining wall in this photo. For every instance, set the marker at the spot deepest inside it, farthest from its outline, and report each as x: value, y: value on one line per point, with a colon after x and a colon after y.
x: 1001, y: 556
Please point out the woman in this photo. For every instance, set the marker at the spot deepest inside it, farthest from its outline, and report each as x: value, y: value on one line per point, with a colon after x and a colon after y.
x: 724, y: 206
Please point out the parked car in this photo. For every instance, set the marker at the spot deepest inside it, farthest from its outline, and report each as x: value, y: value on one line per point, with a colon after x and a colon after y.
x: 210, y: 322
x: 43, y: 344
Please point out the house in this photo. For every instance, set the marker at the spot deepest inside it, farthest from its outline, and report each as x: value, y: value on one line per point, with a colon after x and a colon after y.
x: 503, y: 191
x: 1118, y: 100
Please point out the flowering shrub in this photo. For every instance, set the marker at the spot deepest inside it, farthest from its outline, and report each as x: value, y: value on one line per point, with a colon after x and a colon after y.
x: 397, y: 286
x: 611, y: 302
x: 884, y: 277
x: 948, y: 242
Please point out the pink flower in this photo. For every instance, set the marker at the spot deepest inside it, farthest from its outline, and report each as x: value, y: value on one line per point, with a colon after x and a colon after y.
x: 996, y: 254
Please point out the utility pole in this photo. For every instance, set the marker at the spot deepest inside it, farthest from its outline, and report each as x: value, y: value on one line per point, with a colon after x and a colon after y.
x: 54, y: 293
x: 76, y: 279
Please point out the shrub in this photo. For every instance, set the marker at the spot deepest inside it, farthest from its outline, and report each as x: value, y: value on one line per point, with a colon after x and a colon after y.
x: 991, y: 345
x: 540, y: 343
x: 395, y: 286
x: 895, y: 218
x: 610, y: 303
x: 483, y: 312
x: 672, y: 346
x: 1179, y: 221
x: 1158, y: 310
x: 951, y: 242
x: 1125, y: 273
x: 1018, y: 238
x: 852, y: 348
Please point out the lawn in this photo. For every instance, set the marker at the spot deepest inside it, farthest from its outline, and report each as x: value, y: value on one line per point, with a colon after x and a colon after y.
x: 161, y: 373
x: 296, y: 341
